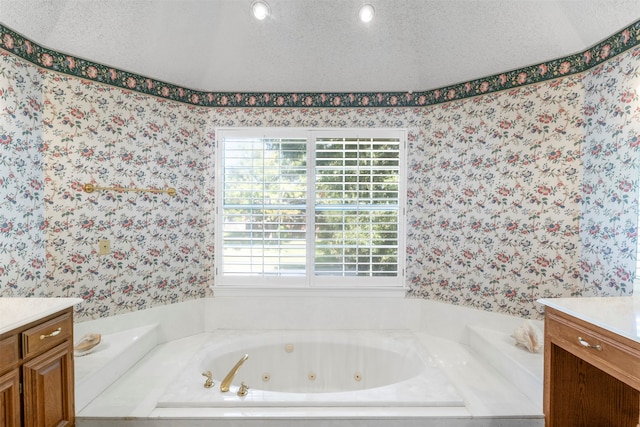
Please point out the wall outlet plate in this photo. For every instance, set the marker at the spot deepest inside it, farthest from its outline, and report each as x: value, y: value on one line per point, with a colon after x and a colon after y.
x: 104, y: 247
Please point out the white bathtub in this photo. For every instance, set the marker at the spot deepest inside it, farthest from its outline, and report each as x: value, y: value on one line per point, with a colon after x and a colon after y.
x: 313, y: 368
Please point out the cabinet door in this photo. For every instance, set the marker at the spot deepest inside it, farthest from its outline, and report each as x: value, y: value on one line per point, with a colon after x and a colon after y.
x: 10, y: 399
x: 48, y: 389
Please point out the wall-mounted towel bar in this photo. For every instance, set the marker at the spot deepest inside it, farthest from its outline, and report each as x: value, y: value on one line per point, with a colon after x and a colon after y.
x: 90, y: 188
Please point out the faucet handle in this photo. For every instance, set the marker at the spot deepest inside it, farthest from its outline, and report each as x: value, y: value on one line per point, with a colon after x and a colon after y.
x: 209, y: 382
x: 242, y: 391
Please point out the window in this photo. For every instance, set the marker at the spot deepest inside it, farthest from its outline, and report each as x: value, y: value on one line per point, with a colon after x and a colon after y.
x: 310, y: 208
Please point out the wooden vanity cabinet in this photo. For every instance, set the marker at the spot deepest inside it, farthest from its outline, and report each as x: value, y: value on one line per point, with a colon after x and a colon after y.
x: 36, y: 373
x: 10, y: 399
x: 591, y: 375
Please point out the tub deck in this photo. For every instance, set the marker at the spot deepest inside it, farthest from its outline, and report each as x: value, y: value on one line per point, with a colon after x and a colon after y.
x: 511, y: 398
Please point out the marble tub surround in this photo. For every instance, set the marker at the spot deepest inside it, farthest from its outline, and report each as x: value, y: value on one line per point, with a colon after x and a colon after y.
x: 191, y: 317
x: 172, y: 321
x: 16, y: 312
x: 491, y: 398
x: 433, y: 317
x: 117, y: 353
x: 519, y: 366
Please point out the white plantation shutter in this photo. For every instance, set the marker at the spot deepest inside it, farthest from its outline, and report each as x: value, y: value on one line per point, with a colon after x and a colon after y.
x: 264, y: 206
x: 300, y: 207
x: 356, y: 209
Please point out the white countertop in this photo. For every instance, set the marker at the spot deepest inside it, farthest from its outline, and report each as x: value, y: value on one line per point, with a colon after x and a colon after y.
x: 16, y: 312
x: 620, y: 315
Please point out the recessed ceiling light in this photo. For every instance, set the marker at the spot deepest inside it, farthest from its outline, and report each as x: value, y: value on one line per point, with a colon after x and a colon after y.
x: 366, y: 12
x: 260, y: 9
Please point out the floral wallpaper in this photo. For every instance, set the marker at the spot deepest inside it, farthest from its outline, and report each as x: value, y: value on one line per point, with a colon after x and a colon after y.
x: 513, y: 195
x: 495, y: 199
x: 22, y: 208
x: 161, y: 250
x: 611, y: 169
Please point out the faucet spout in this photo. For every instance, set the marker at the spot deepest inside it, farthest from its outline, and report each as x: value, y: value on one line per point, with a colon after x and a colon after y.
x: 226, y: 382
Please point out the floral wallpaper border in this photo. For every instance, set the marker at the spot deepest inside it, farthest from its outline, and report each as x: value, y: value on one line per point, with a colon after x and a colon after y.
x: 49, y: 59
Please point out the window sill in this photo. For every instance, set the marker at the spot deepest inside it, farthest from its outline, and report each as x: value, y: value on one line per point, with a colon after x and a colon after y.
x: 351, y: 292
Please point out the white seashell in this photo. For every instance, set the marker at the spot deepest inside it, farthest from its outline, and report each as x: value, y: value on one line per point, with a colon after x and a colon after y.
x: 87, y: 344
x: 528, y: 336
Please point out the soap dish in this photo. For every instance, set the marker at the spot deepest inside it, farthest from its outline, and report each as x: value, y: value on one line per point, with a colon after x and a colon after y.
x: 87, y: 344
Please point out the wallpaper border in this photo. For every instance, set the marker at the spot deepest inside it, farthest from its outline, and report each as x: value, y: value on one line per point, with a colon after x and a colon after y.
x: 16, y: 44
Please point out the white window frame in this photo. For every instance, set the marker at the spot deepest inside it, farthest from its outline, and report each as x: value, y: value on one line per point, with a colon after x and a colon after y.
x: 311, y: 282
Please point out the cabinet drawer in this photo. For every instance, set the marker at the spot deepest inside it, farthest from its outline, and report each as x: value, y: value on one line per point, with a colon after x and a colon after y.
x: 9, y: 352
x: 46, y: 335
x: 595, y: 347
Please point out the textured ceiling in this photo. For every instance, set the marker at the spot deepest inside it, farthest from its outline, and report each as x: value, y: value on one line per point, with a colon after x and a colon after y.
x: 318, y: 45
